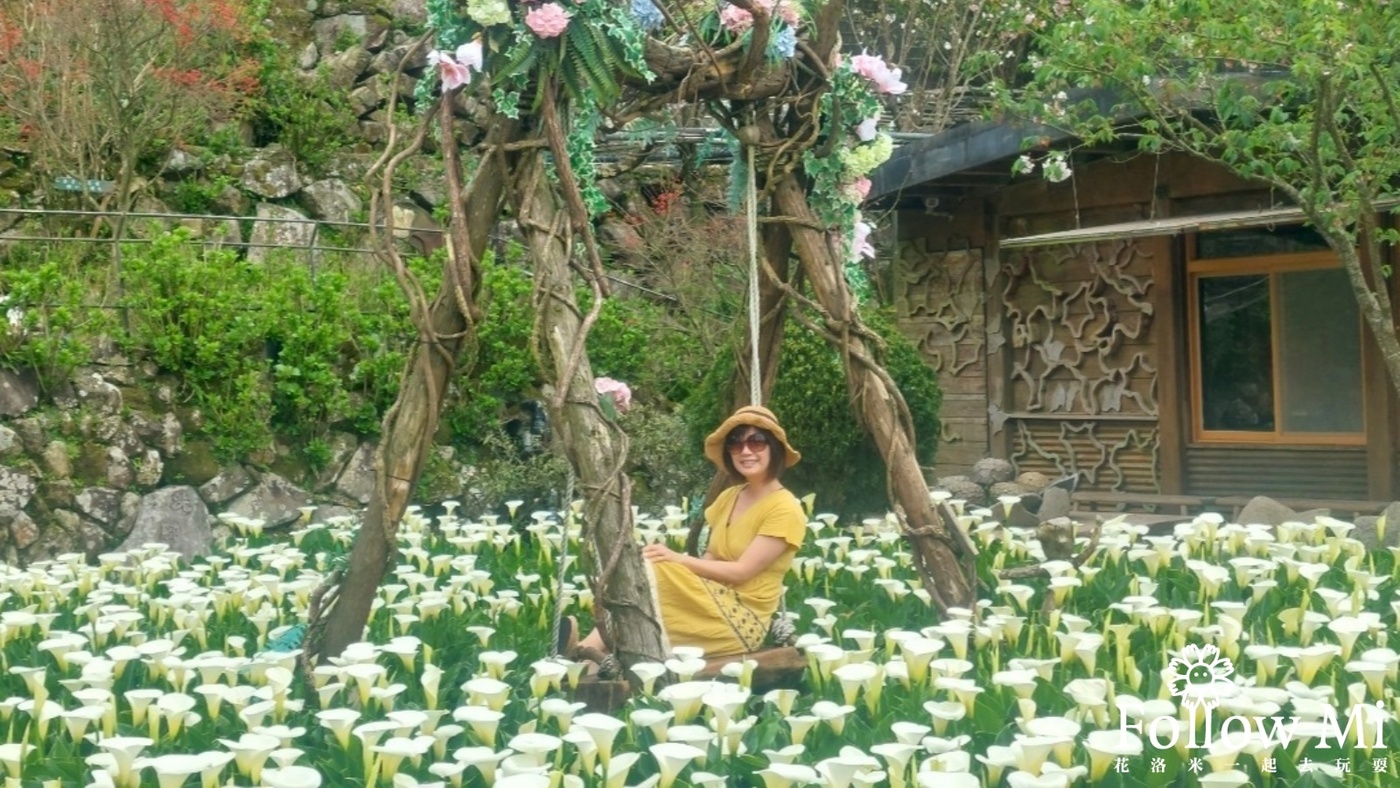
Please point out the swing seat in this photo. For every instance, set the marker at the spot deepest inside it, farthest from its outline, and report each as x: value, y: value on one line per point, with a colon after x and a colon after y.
x: 779, y: 667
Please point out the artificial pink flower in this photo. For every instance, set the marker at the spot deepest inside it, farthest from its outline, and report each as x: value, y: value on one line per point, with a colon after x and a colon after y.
x: 785, y: 10
x: 619, y: 392
x: 867, y: 129
x: 548, y: 21
x: 454, y: 74
x: 875, y: 69
x: 471, y: 55
x: 735, y: 19
x: 860, y: 242
x: 857, y: 189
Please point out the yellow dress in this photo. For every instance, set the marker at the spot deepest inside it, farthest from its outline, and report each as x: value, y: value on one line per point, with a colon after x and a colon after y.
x: 719, y: 618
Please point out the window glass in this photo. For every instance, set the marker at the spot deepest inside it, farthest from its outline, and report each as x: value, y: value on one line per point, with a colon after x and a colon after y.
x: 1254, y: 241
x: 1236, y: 344
x: 1319, y: 352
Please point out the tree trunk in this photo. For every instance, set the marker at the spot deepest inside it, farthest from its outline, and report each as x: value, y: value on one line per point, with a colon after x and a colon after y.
x: 409, y: 425
x: 1369, y: 283
x: 879, y: 406
x: 595, y: 448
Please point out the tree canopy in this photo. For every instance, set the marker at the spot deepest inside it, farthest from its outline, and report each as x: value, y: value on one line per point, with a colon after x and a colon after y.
x: 1295, y: 94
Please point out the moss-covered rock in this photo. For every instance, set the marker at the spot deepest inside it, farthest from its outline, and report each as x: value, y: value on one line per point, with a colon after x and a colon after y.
x: 194, y: 466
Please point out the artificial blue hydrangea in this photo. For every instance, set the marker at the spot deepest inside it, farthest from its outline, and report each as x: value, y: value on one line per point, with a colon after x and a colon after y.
x: 785, y: 41
x: 647, y: 14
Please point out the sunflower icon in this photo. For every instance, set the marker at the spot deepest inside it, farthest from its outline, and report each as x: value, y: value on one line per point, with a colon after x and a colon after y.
x: 1200, y: 676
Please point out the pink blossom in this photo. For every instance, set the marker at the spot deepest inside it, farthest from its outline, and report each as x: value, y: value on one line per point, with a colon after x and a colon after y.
x: 471, y: 55
x: 735, y: 19
x: 860, y: 242
x: 548, y: 21
x: 786, y: 10
x: 454, y: 74
x: 867, y: 130
x: 857, y: 189
x: 619, y: 392
x: 875, y: 69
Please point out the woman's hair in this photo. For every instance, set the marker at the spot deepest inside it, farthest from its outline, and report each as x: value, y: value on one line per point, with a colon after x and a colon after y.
x: 777, y: 455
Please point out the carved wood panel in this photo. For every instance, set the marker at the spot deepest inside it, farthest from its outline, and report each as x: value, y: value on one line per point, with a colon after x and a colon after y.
x: 1112, y: 456
x: 939, y: 300
x: 1081, y: 393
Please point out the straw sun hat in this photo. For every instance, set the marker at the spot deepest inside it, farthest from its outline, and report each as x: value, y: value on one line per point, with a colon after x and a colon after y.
x: 753, y: 416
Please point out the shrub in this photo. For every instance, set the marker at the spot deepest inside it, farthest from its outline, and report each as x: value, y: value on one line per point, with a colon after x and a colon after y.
x: 633, y: 340
x: 47, y: 322
x: 840, y: 462
x: 268, y: 348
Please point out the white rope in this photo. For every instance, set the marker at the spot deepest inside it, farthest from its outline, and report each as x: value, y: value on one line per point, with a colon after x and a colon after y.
x: 755, y: 378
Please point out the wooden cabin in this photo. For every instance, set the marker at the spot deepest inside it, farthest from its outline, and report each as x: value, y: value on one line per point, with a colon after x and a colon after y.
x: 1152, y: 323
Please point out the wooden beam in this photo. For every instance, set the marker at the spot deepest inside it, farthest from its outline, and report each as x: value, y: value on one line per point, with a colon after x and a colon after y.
x: 1172, y: 380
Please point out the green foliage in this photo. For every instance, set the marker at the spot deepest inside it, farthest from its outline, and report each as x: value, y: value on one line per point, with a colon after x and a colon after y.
x: 631, y: 341
x: 839, y: 460
x: 266, y: 348
x: 499, y: 472
x: 308, y: 116
x: 46, y: 323
x: 1296, y: 95
x: 503, y: 371
x: 199, y: 196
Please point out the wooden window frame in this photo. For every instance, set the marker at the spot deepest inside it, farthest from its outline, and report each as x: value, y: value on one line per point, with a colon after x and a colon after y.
x: 1269, y: 265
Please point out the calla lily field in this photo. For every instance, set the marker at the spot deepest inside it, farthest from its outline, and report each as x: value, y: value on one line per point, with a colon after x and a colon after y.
x: 1208, y: 654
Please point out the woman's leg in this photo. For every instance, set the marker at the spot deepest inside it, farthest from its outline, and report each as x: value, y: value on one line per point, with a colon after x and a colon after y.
x: 594, y: 640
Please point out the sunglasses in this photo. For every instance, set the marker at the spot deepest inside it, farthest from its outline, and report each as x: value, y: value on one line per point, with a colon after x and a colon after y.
x: 755, y: 443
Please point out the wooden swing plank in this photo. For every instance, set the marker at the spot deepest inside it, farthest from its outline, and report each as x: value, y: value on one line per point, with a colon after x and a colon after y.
x: 777, y: 668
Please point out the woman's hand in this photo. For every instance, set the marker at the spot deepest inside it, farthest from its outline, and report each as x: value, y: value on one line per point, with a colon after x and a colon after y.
x: 659, y: 553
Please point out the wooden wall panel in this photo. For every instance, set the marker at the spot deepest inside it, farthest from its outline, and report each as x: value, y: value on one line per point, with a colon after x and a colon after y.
x: 1113, y: 456
x: 1081, y: 393
x: 1283, y: 472
x: 939, y: 306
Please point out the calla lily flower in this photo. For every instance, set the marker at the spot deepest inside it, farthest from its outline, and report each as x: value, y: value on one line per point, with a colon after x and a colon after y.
x: 672, y: 758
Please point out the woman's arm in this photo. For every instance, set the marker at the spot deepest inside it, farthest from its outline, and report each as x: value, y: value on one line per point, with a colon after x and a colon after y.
x: 758, y: 556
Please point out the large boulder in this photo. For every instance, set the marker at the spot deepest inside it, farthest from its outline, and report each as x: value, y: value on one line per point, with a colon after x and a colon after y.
x: 990, y: 470
x: 1262, y: 510
x: 343, y: 69
x: 341, y: 447
x: 333, y: 30
x: 119, y: 471
x: 1033, y: 481
x: 331, y: 199
x: 174, y: 516
x: 271, y: 173
x: 1368, y: 529
x: 15, y: 489
x: 288, y: 229
x: 19, y: 391
x: 57, y: 461
x: 357, y: 480
x: 274, y: 500
x: 21, y: 528
x: 10, y: 444
x: 101, y: 505
x: 962, y: 488
x: 227, y: 484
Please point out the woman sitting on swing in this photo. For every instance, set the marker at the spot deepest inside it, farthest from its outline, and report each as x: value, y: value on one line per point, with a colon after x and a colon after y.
x: 724, y: 600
